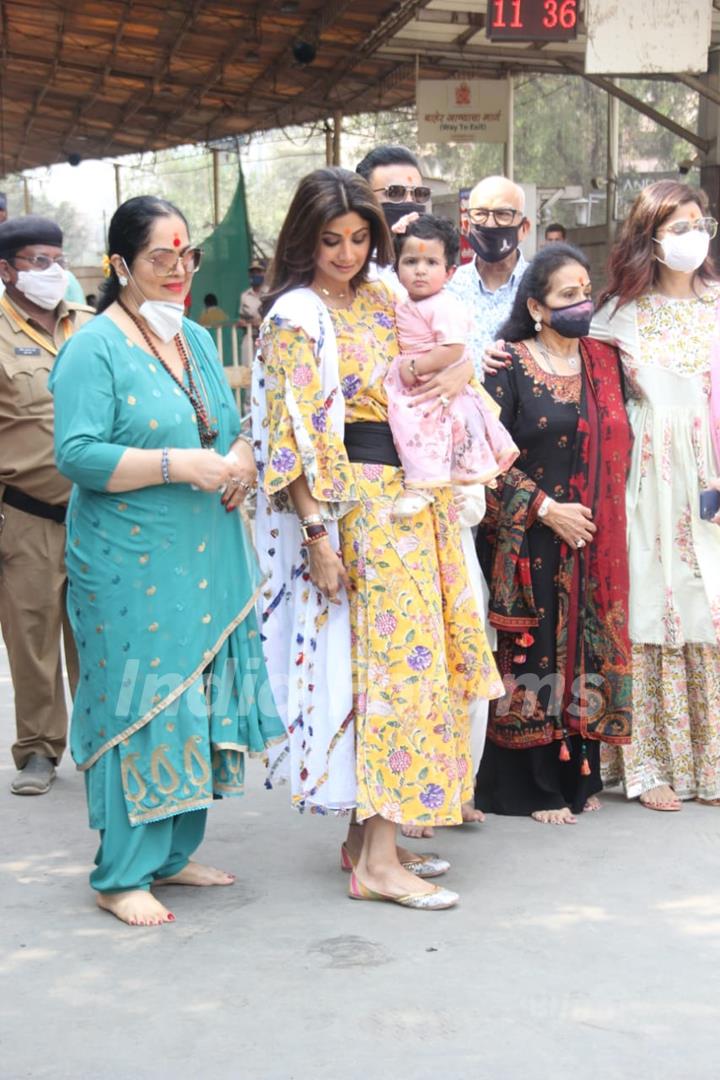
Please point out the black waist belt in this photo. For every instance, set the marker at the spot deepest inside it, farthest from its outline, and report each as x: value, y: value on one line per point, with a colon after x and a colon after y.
x: 14, y: 497
x: 371, y: 443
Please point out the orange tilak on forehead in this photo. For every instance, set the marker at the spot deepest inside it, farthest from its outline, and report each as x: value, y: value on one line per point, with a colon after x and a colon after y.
x: 347, y: 232
x: 422, y: 248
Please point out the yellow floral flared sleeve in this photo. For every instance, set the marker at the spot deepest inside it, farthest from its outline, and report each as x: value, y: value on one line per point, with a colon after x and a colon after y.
x: 302, y: 435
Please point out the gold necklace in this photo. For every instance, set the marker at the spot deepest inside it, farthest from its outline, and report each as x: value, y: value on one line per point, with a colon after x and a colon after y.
x: 330, y: 295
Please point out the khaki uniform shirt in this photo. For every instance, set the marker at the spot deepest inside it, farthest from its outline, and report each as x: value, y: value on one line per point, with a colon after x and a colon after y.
x: 27, y: 455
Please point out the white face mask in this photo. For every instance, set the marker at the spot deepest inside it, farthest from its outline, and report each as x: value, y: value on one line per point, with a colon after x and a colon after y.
x: 45, y: 288
x: 163, y: 318
x: 685, y: 253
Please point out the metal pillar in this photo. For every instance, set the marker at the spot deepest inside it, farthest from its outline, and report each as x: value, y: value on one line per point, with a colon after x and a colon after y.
x: 216, y: 187
x: 337, y: 132
x: 509, y: 149
x: 709, y: 129
x: 118, y: 186
x: 329, y: 135
x: 613, y: 163
x: 27, y: 202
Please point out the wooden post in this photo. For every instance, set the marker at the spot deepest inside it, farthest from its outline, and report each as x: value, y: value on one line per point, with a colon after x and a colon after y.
x: 328, y: 143
x: 118, y: 186
x: 26, y: 196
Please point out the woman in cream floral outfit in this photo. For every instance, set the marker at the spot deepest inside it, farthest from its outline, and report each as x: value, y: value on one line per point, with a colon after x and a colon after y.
x: 661, y: 310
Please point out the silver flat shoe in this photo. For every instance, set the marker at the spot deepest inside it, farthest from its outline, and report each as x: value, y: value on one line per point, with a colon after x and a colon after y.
x: 437, y: 900
x: 427, y: 866
x: 35, y: 777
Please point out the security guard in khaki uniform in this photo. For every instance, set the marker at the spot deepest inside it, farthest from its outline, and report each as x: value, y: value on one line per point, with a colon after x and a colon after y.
x: 34, y: 323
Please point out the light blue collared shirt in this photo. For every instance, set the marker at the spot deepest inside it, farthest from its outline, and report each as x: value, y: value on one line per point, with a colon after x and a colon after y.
x: 487, y: 310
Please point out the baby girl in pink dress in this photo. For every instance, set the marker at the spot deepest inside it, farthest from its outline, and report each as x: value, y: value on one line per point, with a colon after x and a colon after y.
x: 463, y: 444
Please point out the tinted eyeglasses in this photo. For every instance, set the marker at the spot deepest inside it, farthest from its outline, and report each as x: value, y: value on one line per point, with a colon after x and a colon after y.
x: 400, y: 192
x: 480, y: 215
x: 703, y: 224
x: 164, y: 261
x: 43, y: 262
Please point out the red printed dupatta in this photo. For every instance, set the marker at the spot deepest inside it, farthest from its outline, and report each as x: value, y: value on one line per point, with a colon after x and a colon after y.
x: 593, y: 650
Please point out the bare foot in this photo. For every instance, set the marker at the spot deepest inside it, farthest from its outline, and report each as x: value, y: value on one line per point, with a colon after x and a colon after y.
x: 470, y: 815
x: 554, y: 817
x: 661, y: 797
x: 418, y: 832
x: 197, y: 874
x: 592, y: 804
x: 392, y: 880
x: 136, y: 907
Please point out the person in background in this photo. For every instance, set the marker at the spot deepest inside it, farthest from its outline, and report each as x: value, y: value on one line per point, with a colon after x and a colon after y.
x: 251, y: 298
x: 35, y: 320
x: 393, y: 172
x: 555, y: 233
x: 3, y: 207
x: 660, y: 308
x: 553, y: 547
x: 212, y: 314
x: 487, y: 285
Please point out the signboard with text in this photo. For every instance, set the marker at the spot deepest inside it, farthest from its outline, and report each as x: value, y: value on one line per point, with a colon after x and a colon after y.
x: 462, y: 110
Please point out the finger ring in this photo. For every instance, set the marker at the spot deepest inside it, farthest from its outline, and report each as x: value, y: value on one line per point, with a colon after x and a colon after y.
x: 444, y: 400
x: 580, y: 543
x: 244, y: 485
x: 235, y: 480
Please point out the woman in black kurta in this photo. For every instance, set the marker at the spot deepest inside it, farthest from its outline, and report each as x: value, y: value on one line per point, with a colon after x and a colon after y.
x: 553, y: 550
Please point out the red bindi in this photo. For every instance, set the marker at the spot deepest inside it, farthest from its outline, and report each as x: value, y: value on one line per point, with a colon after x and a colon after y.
x: 176, y: 241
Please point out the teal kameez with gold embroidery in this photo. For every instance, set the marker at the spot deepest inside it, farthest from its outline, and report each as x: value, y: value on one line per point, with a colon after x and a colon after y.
x: 162, y: 583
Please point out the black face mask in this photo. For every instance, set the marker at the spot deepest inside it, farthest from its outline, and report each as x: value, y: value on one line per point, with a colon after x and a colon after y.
x: 493, y: 243
x: 573, y: 320
x: 393, y: 211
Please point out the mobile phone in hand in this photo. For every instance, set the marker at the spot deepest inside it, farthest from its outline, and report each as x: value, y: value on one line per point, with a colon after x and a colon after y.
x: 709, y: 504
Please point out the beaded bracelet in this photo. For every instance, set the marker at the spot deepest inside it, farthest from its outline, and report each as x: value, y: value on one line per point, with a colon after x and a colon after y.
x: 165, y: 465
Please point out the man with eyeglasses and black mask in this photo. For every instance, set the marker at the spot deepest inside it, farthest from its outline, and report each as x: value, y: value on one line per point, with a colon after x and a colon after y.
x: 35, y: 321
x: 393, y: 172
x: 487, y: 285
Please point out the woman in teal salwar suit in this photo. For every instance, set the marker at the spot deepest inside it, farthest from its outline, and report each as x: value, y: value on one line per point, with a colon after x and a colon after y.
x: 162, y: 578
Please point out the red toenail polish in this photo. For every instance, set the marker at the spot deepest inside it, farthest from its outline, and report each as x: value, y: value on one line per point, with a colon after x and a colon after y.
x: 171, y: 917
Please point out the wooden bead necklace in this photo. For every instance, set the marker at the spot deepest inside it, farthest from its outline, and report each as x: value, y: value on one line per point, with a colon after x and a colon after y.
x: 207, y: 433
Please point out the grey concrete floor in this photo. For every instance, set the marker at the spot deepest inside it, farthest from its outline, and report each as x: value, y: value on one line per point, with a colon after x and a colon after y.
x: 586, y: 952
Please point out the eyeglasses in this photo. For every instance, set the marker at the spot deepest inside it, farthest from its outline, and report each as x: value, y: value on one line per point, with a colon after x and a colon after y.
x: 44, y: 262
x: 703, y: 224
x: 480, y: 215
x: 165, y: 262
x: 399, y: 193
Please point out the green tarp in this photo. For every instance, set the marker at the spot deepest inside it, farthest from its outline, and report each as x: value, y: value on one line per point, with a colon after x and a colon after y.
x: 224, y: 270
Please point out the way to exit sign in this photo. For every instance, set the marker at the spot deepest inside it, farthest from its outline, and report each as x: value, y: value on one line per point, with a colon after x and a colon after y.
x: 532, y: 20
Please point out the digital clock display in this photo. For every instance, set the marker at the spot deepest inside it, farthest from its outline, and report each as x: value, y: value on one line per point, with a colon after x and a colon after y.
x: 532, y: 20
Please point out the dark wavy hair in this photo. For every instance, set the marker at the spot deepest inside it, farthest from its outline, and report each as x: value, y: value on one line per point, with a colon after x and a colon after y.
x: 386, y: 155
x: 633, y: 268
x: 535, y: 285
x: 321, y: 197
x: 130, y: 227
x: 431, y: 227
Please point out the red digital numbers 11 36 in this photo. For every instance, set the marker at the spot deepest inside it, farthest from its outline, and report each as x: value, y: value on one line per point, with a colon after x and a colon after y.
x: 532, y: 20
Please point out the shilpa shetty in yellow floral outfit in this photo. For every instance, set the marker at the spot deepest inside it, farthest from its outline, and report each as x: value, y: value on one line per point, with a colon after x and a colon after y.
x: 419, y: 655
